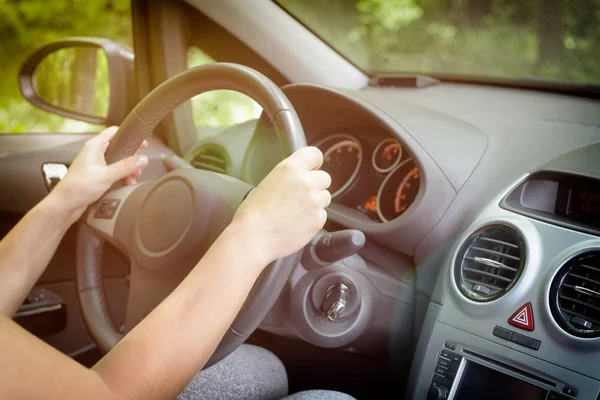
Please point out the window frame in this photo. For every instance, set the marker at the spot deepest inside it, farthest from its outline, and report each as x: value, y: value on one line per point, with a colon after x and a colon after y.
x: 163, y: 32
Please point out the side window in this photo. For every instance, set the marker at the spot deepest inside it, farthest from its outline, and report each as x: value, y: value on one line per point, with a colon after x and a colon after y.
x: 27, y: 25
x: 219, y: 108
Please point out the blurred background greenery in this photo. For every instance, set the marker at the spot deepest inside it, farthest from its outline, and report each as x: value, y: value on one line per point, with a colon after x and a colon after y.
x: 548, y: 39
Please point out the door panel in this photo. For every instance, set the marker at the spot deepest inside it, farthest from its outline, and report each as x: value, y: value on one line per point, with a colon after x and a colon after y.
x: 22, y: 186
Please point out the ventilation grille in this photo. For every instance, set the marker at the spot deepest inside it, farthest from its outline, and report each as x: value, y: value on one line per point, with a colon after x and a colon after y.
x: 211, y: 158
x: 489, y: 263
x: 575, y: 296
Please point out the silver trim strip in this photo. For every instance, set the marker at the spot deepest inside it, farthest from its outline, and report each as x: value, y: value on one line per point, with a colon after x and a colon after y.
x: 459, y: 373
x: 491, y: 263
x: 587, y: 291
x: 39, y: 310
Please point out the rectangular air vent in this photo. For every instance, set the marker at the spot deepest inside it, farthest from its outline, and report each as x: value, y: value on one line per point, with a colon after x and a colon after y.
x: 210, y: 157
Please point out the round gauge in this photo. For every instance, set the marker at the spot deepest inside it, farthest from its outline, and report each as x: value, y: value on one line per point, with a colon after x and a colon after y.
x: 398, y: 191
x: 342, y: 157
x: 387, y: 155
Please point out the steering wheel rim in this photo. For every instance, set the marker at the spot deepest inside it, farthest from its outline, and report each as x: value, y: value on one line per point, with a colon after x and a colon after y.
x: 138, y: 124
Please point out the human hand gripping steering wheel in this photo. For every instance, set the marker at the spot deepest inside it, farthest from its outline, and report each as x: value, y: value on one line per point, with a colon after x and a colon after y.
x: 89, y: 176
x: 165, y: 226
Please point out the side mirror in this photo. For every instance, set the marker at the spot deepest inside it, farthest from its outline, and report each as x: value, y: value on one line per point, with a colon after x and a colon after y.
x: 88, y: 79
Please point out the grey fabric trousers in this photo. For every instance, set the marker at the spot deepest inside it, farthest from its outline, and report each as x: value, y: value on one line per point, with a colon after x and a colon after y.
x: 249, y: 373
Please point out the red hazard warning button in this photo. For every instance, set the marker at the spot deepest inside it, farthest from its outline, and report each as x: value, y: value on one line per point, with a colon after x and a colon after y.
x: 523, y: 318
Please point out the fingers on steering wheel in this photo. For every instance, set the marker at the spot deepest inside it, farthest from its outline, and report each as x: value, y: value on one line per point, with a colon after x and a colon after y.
x: 324, y: 198
x: 126, y: 168
x: 106, y: 135
x: 321, y: 179
x: 130, y: 180
x: 309, y: 158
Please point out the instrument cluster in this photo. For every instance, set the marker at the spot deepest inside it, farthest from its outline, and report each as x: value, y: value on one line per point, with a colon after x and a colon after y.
x: 374, y: 175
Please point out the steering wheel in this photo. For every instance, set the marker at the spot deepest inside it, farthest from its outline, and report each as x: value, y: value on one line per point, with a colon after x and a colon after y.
x: 165, y: 226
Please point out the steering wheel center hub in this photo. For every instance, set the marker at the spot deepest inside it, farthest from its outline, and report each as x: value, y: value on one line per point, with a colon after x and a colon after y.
x: 165, y: 217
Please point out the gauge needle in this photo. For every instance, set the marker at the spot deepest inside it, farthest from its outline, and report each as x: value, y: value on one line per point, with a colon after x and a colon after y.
x: 338, y: 160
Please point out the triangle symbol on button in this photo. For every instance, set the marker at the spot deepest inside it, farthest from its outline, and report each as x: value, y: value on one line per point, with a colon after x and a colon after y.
x: 523, y: 318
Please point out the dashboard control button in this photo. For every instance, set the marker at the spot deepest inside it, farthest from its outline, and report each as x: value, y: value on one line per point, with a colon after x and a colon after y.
x: 445, y: 372
x: 502, y: 333
x: 557, y: 396
x: 451, y: 356
x: 107, y: 208
x: 450, y: 345
x: 525, y: 341
x: 453, y: 366
x: 442, y: 380
x: 523, y: 318
x: 571, y: 391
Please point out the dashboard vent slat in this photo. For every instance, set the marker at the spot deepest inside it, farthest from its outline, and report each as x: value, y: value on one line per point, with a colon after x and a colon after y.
x: 583, y: 278
x: 496, y: 253
x: 577, y: 301
x: 484, y: 273
x: 487, y: 239
x: 490, y: 262
x: 590, y: 267
x: 473, y: 282
x: 210, y: 157
x: 575, y: 295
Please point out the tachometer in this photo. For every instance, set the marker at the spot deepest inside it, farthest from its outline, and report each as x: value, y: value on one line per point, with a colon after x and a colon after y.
x: 398, y: 191
x: 387, y: 155
x: 342, y: 157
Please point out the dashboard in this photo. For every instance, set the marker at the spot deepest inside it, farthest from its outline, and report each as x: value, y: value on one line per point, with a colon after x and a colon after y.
x: 480, y: 207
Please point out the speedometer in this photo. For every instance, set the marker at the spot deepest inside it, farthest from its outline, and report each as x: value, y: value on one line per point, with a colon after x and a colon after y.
x: 342, y: 158
x: 398, y: 191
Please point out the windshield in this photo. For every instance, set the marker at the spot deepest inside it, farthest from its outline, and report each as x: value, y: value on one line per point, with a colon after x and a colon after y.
x: 555, y: 40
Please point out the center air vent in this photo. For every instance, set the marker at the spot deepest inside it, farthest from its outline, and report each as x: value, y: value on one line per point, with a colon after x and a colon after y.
x: 575, y: 295
x: 210, y: 157
x: 489, y: 263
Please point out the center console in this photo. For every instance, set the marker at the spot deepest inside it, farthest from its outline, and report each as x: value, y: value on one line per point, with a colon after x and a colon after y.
x: 516, y: 309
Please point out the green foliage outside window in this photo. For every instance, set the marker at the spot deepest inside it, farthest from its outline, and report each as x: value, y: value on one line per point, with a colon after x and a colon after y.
x: 549, y: 39
x: 219, y: 108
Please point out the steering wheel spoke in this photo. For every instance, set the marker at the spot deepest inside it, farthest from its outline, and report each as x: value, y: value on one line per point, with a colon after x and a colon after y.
x: 111, y: 216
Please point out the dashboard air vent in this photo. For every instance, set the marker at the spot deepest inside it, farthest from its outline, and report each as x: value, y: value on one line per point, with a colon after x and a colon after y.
x: 575, y: 295
x: 210, y: 157
x: 489, y: 263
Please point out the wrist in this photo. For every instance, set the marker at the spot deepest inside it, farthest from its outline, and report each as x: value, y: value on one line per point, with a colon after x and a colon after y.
x: 62, y: 202
x: 244, y: 238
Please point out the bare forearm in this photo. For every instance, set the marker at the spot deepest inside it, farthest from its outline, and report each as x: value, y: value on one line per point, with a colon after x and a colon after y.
x: 158, y: 357
x: 27, y: 249
x: 164, y: 352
